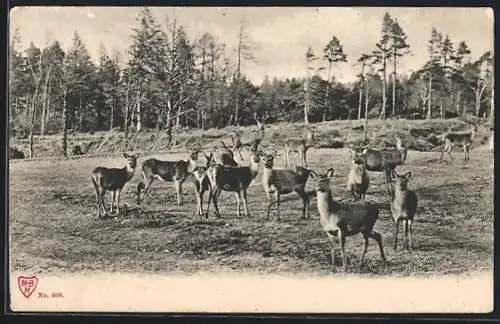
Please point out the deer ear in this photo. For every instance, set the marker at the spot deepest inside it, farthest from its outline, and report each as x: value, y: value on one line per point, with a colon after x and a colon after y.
x: 329, y: 173
x: 275, y: 153
x: 313, y: 173
x: 125, y: 155
x: 137, y: 155
x: 408, y: 175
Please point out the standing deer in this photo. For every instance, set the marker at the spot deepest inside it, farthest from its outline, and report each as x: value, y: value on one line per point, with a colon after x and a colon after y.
x: 340, y: 219
x: 168, y: 171
x: 232, y: 179
x: 463, y: 139
x: 202, y: 184
x: 299, y: 146
x: 112, y: 179
x: 282, y: 182
x: 403, y: 207
x: 357, y: 179
x: 385, y: 160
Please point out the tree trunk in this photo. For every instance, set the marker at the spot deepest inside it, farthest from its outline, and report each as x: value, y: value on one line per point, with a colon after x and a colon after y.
x: 429, y: 103
x: 384, y: 86
x: 458, y: 101
x: 138, y: 115
x: 365, y: 130
x: 361, y: 85
x: 44, y: 104
x: 80, y: 114
x: 112, y: 117
x: 306, y: 104
x: 32, y: 124
x: 394, y: 83
x: 65, y: 125
x: 169, y: 127
x: 325, y: 108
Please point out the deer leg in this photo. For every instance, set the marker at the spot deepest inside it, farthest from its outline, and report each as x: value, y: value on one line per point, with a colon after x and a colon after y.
x: 209, y: 188
x: 466, y: 151
x: 215, y: 197
x: 277, y: 197
x: 146, y: 187
x: 341, y: 237
x: 332, y: 251
x: 271, y: 202
x: 410, y: 225
x: 178, y: 189
x: 239, y: 152
x: 304, y: 158
x: 238, y: 205
x: 388, y: 181
x: 377, y: 237
x: 103, y: 193
x: 112, y: 198
x: 244, y: 194
x: 365, y: 248
x: 405, y: 244
x: 97, y: 193
x: 302, y: 195
x: 442, y: 151
x: 118, y: 192
x: 449, y: 152
x: 395, y: 233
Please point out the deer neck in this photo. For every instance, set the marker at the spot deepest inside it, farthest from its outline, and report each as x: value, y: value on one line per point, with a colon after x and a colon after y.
x: 129, y: 172
x: 254, y: 169
x: 191, y: 164
x: 326, y: 205
x: 266, y: 176
x: 398, y: 195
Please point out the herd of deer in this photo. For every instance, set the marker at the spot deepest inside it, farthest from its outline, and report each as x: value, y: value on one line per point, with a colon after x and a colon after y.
x: 338, y: 219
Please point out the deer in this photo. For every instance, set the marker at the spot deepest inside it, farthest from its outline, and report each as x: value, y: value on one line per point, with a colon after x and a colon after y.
x: 342, y: 219
x: 403, y: 207
x: 113, y: 179
x: 284, y: 181
x: 232, y: 179
x: 384, y: 160
x: 300, y: 146
x: 201, y: 184
x: 77, y: 149
x: 357, y: 179
x: 168, y: 171
x: 463, y: 139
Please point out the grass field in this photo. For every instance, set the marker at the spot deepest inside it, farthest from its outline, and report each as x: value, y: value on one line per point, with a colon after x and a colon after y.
x: 54, y: 227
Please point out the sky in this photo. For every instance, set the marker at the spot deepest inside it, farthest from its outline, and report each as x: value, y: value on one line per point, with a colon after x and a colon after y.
x: 280, y: 35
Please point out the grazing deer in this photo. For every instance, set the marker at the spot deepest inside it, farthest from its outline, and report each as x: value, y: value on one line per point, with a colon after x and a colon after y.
x: 282, y: 182
x: 112, y: 179
x: 385, y: 160
x: 168, y: 171
x: 403, y: 207
x: 357, y: 179
x: 202, y: 184
x: 299, y: 146
x: 345, y: 219
x: 232, y: 179
x: 464, y: 139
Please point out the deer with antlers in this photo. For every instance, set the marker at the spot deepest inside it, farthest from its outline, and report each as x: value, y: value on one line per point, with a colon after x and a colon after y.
x: 168, y: 171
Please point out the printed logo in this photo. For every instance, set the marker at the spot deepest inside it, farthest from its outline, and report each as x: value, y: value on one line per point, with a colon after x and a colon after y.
x: 27, y: 285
